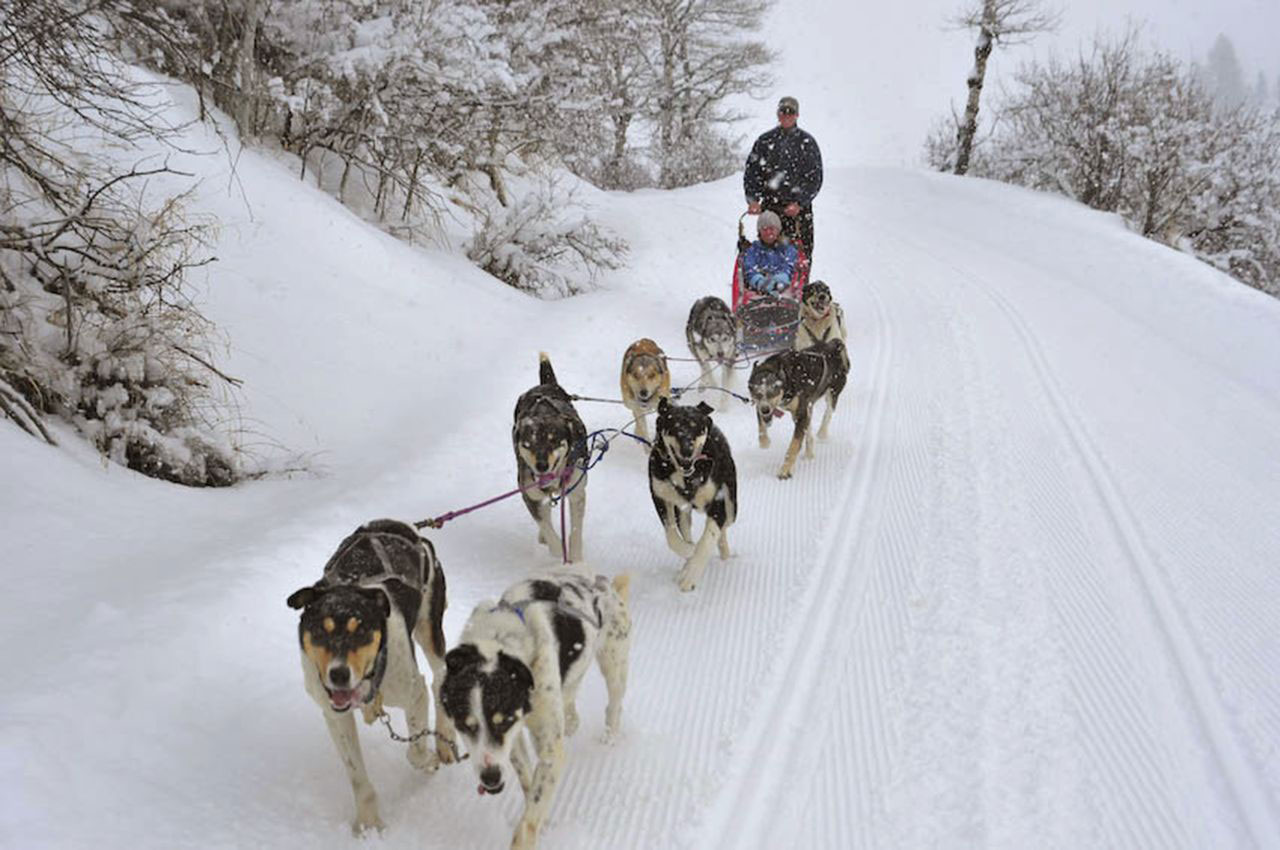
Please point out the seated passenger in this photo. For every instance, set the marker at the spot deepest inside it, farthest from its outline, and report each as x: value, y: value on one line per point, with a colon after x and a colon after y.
x: 767, y: 266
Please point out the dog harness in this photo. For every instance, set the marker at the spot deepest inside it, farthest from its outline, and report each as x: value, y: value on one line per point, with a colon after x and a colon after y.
x: 593, y: 616
x: 374, y: 566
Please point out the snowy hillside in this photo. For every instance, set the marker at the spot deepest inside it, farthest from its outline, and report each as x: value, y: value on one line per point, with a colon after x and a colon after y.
x: 1024, y: 597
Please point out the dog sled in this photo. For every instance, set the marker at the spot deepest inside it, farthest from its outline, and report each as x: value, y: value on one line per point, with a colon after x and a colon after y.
x: 766, y: 322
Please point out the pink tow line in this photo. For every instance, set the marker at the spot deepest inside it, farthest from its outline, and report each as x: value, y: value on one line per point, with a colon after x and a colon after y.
x: 542, y: 481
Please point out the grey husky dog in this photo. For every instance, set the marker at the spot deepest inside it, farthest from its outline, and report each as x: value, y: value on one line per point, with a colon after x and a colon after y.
x: 712, y: 333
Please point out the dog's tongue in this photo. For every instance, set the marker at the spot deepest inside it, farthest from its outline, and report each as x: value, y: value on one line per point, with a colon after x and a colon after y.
x: 777, y: 413
x: 480, y: 790
x: 342, y: 699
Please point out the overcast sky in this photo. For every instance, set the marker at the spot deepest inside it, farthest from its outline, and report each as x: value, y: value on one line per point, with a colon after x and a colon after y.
x: 871, y: 80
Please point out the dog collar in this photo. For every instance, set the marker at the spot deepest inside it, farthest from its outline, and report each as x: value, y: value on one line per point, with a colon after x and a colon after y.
x: 518, y: 610
x: 379, y: 670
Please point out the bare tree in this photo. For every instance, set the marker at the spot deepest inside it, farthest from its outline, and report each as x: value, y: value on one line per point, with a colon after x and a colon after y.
x: 997, y: 21
x: 698, y: 56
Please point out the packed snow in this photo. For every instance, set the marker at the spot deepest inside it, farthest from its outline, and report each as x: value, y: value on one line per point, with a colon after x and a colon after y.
x: 1023, y: 597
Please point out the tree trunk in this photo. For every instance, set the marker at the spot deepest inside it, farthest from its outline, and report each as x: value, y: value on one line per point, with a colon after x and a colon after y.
x: 981, y: 51
x: 253, y: 12
x: 621, y: 122
x: 666, y: 108
x: 413, y: 185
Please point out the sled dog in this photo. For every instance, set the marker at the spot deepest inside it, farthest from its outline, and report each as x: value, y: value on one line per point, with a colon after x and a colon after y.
x: 550, y: 443
x: 382, y: 585
x: 517, y: 668
x: 645, y: 379
x: 712, y: 333
x: 793, y: 381
x: 691, y: 468
x: 821, y: 318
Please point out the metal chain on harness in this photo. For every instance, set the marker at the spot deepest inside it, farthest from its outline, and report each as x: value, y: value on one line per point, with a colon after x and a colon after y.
x: 453, y: 747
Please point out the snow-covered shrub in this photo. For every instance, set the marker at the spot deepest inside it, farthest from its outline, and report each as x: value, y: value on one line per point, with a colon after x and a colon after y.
x: 96, y: 320
x: 545, y: 244
x: 704, y: 155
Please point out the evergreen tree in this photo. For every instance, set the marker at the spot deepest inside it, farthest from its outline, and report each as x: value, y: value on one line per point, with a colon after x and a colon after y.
x: 1226, y: 80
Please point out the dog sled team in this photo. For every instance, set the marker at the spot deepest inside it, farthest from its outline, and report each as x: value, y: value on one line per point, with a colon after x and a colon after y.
x: 504, y: 695
x: 506, y: 691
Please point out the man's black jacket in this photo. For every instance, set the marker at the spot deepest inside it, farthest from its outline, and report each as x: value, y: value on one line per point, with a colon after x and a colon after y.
x: 784, y: 166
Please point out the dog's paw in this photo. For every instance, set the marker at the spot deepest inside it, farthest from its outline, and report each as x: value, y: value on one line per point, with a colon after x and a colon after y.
x: 367, y: 824
x: 423, y: 757
x: 609, y: 737
x: 784, y: 474
x: 526, y: 837
x: 685, y: 581
x: 446, y: 750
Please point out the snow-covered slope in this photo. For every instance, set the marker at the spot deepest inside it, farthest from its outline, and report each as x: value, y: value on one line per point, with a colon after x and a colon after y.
x: 1023, y: 597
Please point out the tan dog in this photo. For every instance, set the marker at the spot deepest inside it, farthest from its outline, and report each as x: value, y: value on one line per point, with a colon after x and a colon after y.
x: 645, y: 380
x: 821, y: 318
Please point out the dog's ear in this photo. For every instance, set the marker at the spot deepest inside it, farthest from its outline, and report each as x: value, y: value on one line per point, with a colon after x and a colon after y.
x: 303, y: 597
x: 703, y: 407
x: 461, y: 657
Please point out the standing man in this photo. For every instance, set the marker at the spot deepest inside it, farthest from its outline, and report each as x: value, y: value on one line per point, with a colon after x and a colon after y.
x: 784, y: 174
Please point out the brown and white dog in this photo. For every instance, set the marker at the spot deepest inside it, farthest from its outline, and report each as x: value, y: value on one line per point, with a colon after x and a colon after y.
x: 645, y: 380
x: 383, y: 585
x: 821, y: 318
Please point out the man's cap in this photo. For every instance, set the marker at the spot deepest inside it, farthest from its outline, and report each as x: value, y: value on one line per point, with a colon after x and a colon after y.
x: 789, y: 103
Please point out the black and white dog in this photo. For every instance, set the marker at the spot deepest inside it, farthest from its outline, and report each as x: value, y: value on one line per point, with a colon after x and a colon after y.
x: 821, y: 318
x: 712, y: 333
x: 382, y: 585
x: 550, y: 442
x: 793, y: 381
x: 518, y: 667
x: 691, y: 468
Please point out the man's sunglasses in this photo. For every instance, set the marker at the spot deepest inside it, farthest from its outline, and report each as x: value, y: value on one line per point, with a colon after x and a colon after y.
x: 786, y: 110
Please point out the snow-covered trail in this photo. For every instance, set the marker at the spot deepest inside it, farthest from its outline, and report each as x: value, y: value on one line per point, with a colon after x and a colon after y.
x: 1023, y: 597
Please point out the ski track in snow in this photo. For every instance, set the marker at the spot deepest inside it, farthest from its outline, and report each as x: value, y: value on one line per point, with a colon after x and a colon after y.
x: 1114, y: 712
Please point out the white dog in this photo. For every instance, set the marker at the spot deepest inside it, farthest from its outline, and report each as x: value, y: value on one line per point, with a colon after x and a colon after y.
x: 518, y: 667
